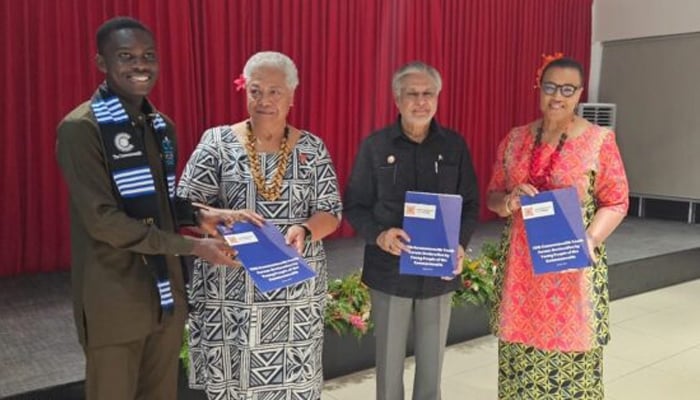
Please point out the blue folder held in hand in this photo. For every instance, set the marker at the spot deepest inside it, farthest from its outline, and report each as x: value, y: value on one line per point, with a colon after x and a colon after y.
x: 432, y: 221
x: 555, y: 232
x: 269, y: 261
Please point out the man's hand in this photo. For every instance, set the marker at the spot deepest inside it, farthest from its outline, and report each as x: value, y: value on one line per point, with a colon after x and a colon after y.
x: 210, y: 217
x: 295, y: 237
x: 459, y: 266
x: 393, y: 241
x: 216, y: 251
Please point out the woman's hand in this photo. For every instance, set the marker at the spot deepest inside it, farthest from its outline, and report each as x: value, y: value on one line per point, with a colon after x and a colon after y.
x: 592, y: 244
x: 512, y: 199
x: 603, y: 224
x: 393, y: 241
x: 296, y: 236
x: 244, y: 215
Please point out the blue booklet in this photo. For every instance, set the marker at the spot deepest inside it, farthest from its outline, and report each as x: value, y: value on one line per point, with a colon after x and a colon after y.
x: 432, y: 221
x: 265, y: 255
x: 555, y: 233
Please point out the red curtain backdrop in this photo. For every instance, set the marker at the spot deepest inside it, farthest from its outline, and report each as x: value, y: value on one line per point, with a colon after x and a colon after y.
x: 346, y: 51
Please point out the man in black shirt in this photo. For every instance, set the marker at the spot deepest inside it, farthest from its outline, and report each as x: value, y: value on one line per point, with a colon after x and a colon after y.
x: 414, y: 153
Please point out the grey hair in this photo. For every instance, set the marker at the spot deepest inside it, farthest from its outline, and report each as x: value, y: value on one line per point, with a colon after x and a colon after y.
x: 412, y: 68
x: 276, y: 60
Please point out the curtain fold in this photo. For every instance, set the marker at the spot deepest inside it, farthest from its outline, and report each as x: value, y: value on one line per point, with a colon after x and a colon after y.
x: 487, y: 52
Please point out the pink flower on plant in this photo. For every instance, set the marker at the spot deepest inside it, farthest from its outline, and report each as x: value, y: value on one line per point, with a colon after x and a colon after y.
x: 467, y: 283
x: 358, y: 322
x: 240, y: 83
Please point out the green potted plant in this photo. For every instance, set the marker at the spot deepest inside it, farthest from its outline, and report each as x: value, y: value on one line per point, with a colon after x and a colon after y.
x: 348, y: 306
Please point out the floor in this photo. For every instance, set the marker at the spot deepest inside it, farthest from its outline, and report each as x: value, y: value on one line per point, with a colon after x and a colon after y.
x: 654, y: 355
x: 38, y: 346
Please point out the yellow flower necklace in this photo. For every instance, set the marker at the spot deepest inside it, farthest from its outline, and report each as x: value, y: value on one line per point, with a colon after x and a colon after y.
x: 272, y: 192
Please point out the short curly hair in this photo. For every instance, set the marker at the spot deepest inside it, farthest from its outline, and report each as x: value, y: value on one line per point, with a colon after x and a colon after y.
x: 276, y: 60
x: 116, y: 24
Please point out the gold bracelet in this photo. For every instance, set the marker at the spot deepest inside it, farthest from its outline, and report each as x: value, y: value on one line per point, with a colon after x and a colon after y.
x: 507, y: 199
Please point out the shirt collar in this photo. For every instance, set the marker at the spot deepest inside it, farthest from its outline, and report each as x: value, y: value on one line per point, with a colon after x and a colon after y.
x: 434, y: 131
x: 139, y: 116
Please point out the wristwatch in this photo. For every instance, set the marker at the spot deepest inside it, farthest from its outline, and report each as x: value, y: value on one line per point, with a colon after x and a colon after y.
x: 307, y: 232
x: 197, y: 216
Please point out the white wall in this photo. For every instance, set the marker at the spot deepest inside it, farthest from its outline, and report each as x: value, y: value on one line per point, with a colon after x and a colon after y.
x: 625, y: 19
x: 628, y: 19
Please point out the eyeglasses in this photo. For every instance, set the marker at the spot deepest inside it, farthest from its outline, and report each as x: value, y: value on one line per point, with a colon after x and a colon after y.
x: 566, y: 89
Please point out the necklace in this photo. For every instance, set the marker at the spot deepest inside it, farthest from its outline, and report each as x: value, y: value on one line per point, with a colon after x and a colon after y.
x: 272, y: 192
x: 541, y: 174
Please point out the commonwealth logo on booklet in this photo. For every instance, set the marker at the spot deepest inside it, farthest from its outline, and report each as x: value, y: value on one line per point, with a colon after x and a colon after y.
x: 416, y: 210
x: 538, y: 210
x: 235, y: 239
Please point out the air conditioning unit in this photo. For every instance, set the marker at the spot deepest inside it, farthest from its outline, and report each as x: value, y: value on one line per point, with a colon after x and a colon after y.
x: 602, y: 114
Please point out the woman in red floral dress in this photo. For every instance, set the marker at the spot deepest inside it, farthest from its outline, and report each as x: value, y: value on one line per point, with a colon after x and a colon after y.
x: 552, y: 327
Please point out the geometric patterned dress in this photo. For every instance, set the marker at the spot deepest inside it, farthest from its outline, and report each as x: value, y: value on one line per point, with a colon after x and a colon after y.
x: 552, y: 326
x: 245, y: 344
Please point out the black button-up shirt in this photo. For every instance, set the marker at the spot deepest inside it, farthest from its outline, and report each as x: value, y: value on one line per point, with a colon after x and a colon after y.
x: 387, y: 165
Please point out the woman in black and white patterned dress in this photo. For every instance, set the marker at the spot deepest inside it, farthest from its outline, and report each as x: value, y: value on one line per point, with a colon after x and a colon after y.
x: 245, y: 344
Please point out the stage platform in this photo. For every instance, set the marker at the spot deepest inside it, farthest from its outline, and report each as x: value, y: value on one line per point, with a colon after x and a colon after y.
x: 40, y: 357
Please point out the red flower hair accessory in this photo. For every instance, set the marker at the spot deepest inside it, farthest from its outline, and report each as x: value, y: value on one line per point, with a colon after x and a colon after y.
x: 546, y: 59
x: 240, y: 83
